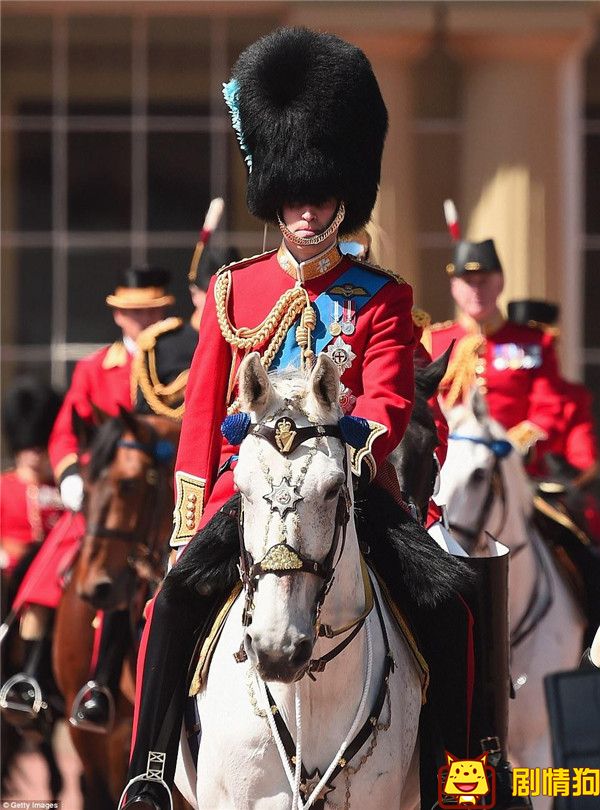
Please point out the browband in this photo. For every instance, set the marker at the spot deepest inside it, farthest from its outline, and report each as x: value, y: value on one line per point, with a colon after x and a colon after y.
x: 285, y: 436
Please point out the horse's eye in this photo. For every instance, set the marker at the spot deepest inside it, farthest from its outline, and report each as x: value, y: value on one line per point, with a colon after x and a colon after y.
x: 478, y: 475
x: 333, y: 491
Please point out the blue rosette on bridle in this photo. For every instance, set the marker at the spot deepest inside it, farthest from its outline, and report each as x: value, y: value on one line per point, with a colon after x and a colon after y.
x: 355, y: 431
x: 235, y: 427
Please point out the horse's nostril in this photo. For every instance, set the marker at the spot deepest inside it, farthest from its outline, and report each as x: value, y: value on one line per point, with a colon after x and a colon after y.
x: 102, y: 591
x: 301, y: 653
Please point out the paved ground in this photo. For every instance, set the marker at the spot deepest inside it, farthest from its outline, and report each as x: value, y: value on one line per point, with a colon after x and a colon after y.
x: 29, y: 781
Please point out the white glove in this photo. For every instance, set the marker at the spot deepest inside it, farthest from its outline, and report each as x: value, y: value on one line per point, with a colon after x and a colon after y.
x: 71, y: 492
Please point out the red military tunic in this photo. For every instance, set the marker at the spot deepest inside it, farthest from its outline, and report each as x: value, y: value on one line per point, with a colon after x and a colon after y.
x: 27, y: 514
x: 379, y: 382
x: 516, y: 369
x: 579, y: 444
x: 103, y: 379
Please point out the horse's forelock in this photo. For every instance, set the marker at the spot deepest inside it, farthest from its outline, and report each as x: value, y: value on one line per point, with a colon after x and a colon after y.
x: 294, y: 386
x: 104, y: 446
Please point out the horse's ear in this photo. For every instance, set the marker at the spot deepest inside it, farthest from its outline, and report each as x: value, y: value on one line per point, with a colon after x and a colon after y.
x: 478, y: 405
x: 325, y: 382
x: 130, y: 422
x: 100, y: 416
x: 428, y: 379
x: 83, y: 430
x: 254, y: 384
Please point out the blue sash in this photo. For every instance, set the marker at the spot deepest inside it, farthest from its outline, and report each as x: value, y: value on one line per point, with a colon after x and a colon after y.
x: 363, y: 283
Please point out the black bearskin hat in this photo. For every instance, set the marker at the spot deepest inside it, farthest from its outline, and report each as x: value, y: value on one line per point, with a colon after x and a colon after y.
x: 29, y: 410
x: 211, y: 260
x: 311, y: 123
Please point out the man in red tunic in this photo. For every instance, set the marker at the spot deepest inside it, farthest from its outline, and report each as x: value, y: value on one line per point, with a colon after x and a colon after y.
x: 102, y: 380
x: 577, y: 441
x: 29, y: 502
x: 289, y: 305
x: 513, y: 365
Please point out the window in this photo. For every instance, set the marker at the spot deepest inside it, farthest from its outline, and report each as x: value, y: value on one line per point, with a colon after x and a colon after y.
x: 115, y: 138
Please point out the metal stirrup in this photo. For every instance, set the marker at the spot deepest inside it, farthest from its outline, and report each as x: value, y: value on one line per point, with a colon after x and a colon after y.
x: 155, y: 769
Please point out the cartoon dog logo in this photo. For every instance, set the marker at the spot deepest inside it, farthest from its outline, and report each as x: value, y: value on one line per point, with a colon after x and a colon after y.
x: 468, y: 783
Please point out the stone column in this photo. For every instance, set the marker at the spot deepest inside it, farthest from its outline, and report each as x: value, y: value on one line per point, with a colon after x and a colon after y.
x: 520, y: 173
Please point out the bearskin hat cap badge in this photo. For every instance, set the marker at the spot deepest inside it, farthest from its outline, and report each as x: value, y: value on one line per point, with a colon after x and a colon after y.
x: 311, y: 123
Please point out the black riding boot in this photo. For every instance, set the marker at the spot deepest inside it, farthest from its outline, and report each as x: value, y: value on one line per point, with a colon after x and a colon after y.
x: 172, y: 635
x: 488, y: 603
x: 191, y: 594
x: 94, y: 705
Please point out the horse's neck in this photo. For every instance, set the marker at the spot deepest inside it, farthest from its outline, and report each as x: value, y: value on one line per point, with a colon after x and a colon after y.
x: 512, y: 511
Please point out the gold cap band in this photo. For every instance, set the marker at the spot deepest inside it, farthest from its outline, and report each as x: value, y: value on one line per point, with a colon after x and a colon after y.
x: 139, y: 298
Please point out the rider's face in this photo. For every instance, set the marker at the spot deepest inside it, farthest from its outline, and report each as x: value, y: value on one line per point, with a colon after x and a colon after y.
x: 476, y: 294
x: 307, y: 219
x: 133, y: 321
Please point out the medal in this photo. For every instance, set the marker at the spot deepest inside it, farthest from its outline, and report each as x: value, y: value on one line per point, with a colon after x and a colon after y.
x: 335, y: 328
x: 348, y: 318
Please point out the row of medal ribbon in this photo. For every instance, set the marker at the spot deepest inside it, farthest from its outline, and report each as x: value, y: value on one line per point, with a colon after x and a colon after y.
x: 342, y: 321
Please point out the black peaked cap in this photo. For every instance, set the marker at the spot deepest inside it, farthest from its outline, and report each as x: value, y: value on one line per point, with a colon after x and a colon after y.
x: 530, y: 309
x: 145, y: 275
x: 474, y: 257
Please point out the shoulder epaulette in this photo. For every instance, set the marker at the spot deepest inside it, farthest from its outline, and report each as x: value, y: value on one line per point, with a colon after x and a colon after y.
x: 115, y: 357
x: 146, y: 340
x: 245, y: 262
x: 377, y: 269
x: 421, y: 318
x: 435, y: 327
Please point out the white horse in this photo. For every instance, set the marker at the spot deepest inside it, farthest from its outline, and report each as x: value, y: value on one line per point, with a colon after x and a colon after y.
x: 486, y: 489
x: 302, y: 570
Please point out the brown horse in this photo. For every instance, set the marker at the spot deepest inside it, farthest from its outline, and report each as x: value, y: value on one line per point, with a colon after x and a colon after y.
x: 128, y: 508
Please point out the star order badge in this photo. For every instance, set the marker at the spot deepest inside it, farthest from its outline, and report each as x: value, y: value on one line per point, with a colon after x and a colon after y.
x: 283, y: 497
x: 341, y: 354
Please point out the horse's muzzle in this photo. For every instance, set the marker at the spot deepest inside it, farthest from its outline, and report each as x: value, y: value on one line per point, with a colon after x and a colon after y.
x: 284, y: 663
x: 105, y: 593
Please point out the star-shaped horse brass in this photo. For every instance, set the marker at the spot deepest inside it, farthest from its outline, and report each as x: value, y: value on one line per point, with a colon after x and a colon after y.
x: 310, y: 784
x: 283, y: 497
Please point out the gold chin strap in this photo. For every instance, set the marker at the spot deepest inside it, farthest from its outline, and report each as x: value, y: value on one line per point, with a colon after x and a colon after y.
x: 312, y: 241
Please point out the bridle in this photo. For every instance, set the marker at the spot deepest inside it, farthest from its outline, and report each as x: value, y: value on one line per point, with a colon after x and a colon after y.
x: 145, y: 536
x: 500, y: 449
x: 540, y: 599
x: 283, y: 560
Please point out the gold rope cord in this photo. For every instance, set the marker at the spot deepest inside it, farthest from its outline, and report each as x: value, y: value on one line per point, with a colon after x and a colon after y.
x: 141, y: 378
x: 275, y: 326
x: 461, y: 374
